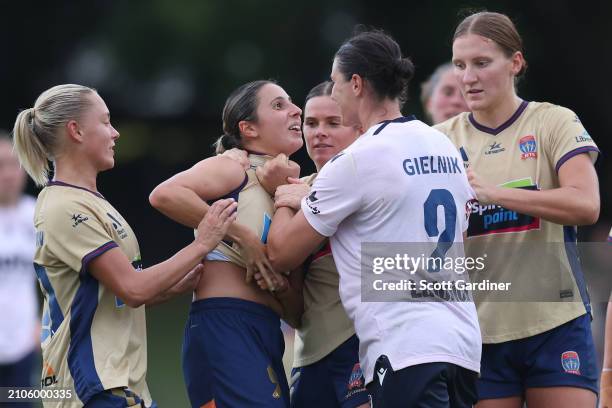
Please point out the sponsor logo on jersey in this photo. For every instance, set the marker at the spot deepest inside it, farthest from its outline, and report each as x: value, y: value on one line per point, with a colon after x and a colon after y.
x: 584, y: 137
x: 40, y: 238
x: 356, y: 381
x: 78, y: 218
x: 312, y: 198
x: 495, y: 219
x: 570, y: 362
x: 577, y: 119
x: 528, y: 147
x: 49, y: 377
x: 117, y: 226
x: 495, y: 148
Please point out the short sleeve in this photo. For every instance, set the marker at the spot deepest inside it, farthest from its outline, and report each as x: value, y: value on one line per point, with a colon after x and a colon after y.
x: 75, y: 235
x: 567, y: 137
x: 334, y: 196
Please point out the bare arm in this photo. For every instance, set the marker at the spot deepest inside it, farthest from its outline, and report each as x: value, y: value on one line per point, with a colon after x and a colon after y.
x: 114, y: 270
x: 291, y: 239
x: 182, y: 198
x: 575, y: 202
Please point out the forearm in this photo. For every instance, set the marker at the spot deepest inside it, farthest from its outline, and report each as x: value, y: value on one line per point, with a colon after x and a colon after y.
x: 155, y: 283
x: 292, y: 302
x: 279, y: 250
x: 179, y: 204
x: 563, y: 205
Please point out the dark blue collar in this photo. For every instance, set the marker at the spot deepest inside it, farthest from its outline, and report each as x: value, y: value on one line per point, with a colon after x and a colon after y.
x: 402, y: 119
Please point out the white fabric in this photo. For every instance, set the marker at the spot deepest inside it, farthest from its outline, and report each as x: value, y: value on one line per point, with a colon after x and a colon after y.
x: 366, y: 195
x: 18, y: 301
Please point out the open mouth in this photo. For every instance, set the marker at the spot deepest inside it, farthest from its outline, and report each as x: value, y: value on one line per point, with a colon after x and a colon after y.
x: 296, y: 128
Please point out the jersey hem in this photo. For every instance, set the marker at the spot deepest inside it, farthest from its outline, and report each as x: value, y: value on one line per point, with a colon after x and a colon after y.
x: 313, y: 358
x: 502, y: 338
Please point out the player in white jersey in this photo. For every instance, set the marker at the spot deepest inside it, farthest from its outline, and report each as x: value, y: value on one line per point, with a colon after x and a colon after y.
x: 539, y: 351
x: 87, y: 258
x: 441, y: 96
x: 401, y: 181
x: 18, y: 301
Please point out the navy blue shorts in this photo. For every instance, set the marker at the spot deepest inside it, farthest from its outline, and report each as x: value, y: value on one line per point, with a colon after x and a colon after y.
x: 431, y: 385
x: 335, y: 381
x: 563, y: 356
x: 233, y: 355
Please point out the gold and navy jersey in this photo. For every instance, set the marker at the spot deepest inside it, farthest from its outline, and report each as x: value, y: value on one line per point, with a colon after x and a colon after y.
x: 255, y: 211
x: 524, y: 152
x: 91, y: 341
x: 325, y: 325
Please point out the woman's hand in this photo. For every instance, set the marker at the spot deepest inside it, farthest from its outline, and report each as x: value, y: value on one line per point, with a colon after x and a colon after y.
x: 484, y: 191
x: 290, y: 195
x: 238, y: 155
x: 281, y: 286
x: 215, y: 223
x: 276, y: 172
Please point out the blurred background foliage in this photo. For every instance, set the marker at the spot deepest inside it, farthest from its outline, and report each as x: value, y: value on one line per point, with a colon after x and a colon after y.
x: 165, y: 68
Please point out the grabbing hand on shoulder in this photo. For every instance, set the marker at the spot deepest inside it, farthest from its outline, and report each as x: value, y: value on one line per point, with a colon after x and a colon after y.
x: 276, y: 172
x: 290, y: 195
x: 215, y: 223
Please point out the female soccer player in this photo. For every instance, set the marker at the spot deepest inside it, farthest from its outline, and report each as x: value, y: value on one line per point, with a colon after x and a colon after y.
x: 233, y: 345
x: 441, y: 96
x: 326, y: 365
x: 87, y: 258
x: 412, y: 352
x: 539, y: 351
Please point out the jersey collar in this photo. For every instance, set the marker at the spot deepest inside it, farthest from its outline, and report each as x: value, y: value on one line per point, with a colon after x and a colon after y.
x: 503, y: 126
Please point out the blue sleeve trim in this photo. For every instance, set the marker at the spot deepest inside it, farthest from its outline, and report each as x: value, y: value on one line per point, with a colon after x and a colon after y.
x: 573, y: 153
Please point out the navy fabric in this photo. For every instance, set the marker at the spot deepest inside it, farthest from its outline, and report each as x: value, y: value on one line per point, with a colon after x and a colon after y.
x: 335, y: 381
x: 233, y: 354
x: 563, y: 356
x: 431, y: 385
x: 19, y: 375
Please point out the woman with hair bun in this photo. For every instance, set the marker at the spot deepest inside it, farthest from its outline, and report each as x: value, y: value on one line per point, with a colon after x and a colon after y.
x: 413, y: 352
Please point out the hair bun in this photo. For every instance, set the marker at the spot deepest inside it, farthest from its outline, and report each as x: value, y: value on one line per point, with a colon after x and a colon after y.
x: 404, y: 68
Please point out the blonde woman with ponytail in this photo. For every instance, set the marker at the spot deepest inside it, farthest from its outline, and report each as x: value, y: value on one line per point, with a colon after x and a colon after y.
x: 87, y: 258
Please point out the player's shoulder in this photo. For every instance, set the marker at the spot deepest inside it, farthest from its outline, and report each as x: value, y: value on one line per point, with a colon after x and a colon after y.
x: 455, y: 127
x: 58, y: 203
x: 545, y: 112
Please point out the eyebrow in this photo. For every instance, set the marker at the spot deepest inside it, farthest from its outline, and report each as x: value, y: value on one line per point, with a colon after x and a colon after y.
x: 281, y: 98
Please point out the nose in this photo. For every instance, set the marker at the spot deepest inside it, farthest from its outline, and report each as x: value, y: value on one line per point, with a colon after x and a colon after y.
x: 115, y: 133
x: 469, y: 76
x: 295, y: 110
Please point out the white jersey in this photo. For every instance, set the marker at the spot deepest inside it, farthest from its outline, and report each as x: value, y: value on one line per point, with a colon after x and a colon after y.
x: 375, y: 191
x: 18, y: 301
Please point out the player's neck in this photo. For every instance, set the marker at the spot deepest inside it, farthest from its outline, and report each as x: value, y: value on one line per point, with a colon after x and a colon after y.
x: 75, y: 173
x: 375, y: 112
x: 498, y: 115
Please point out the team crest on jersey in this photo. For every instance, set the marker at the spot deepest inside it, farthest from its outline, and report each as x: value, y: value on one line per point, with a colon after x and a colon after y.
x: 570, y: 362
x: 356, y: 381
x: 528, y: 147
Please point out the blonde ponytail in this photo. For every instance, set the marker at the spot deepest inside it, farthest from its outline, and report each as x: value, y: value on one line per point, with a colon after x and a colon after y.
x: 32, y: 154
x: 37, y: 136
